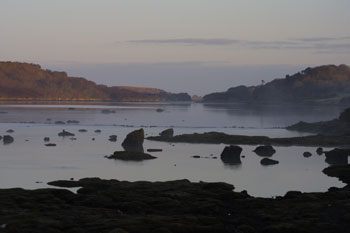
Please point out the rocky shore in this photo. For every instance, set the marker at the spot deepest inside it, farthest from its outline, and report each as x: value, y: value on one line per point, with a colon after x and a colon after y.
x: 113, y: 206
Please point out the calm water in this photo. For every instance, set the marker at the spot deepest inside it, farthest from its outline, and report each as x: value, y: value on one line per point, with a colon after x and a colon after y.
x: 27, y: 161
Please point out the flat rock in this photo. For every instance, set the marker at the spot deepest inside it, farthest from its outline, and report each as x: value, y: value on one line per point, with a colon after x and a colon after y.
x: 307, y: 154
x: 66, y: 134
x: 131, y: 156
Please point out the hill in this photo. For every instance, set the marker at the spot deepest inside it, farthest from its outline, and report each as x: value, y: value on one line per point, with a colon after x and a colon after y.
x: 324, y: 83
x: 24, y: 81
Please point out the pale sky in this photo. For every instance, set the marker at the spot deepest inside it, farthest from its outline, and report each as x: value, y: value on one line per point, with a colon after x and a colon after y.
x: 224, y: 40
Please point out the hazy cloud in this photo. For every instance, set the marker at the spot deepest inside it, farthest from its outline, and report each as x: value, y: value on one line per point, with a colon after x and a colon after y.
x: 317, y: 44
x: 189, y: 41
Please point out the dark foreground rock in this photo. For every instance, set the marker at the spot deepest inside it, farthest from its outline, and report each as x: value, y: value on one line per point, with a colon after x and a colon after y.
x: 217, y: 138
x: 175, y: 206
x: 267, y: 162
x: 231, y: 155
x: 7, y: 139
x: 337, y: 156
x: 265, y: 151
x: 131, y: 155
x: 66, y: 134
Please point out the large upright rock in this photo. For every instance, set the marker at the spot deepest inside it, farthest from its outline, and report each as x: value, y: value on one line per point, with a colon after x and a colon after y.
x: 134, y: 141
x: 167, y: 133
x: 231, y: 155
x: 337, y: 156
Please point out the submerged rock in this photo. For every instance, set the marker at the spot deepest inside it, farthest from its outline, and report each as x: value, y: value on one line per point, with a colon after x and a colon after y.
x: 7, y: 139
x: 134, y: 141
x: 267, y: 162
x: 307, y: 154
x: 82, y: 130
x: 97, y: 131
x: 337, y: 156
x: 66, y: 134
x: 167, y: 133
x: 131, y: 155
x: 46, y: 139
x: 196, y: 156
x: 160, y: 110
x: 73, y: 122
x: 60, y: 123
x: 265, y: 151
x: 10, y: 131
x: 107, y: 111
x: 231, y: 155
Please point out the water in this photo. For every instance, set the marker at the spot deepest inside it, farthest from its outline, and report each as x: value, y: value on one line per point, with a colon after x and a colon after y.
x: 29, y: 164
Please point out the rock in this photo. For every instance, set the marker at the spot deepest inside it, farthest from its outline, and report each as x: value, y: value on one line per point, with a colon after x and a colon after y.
x: 82, y: 130
x: 60, y: 123
x: 66, y: 134
x: 196, y: 156
x: 113, y: 138
x: 307, y: 154
x: 337, y: 156
x: 265, y: 151
x: 7, y: 139
x: 231, y: 155
x: 267, y: 162
x: 319, y: 151
x: 134, y: 141
x: 131, y: 155
x: 97, y: 131
x: 46, y: 139
x: 50, y: 144
x: 10, y: 131
x: 167, y: 133
x: 154, y: 150
x: 159, y: 110
x: 73, y: 122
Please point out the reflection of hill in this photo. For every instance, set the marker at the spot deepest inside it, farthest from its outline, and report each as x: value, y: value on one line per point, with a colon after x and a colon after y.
x: 328, y: 82
x: 23, y: 81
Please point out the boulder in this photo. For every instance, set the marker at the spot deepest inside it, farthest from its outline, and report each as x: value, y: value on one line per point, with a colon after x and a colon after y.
x: 98, y: 131
x: 65, y: 134
x: 10, y: 131
x: 131, y: 155
x: 231, y: 155
x: 319, y: 151
x: 337, y: 156
x: 264, y: 151
x: 82, y: 130
x: 307, y: 154
x: 7, y: 139
x: 196, y: 156
x: 134, y: 141
x: 167, y: 133
x: 267, y: 162
x: 113, y: 138
x: 46, y: 139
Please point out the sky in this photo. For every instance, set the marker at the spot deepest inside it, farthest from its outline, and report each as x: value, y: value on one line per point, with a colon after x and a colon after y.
x: 197, y: 46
